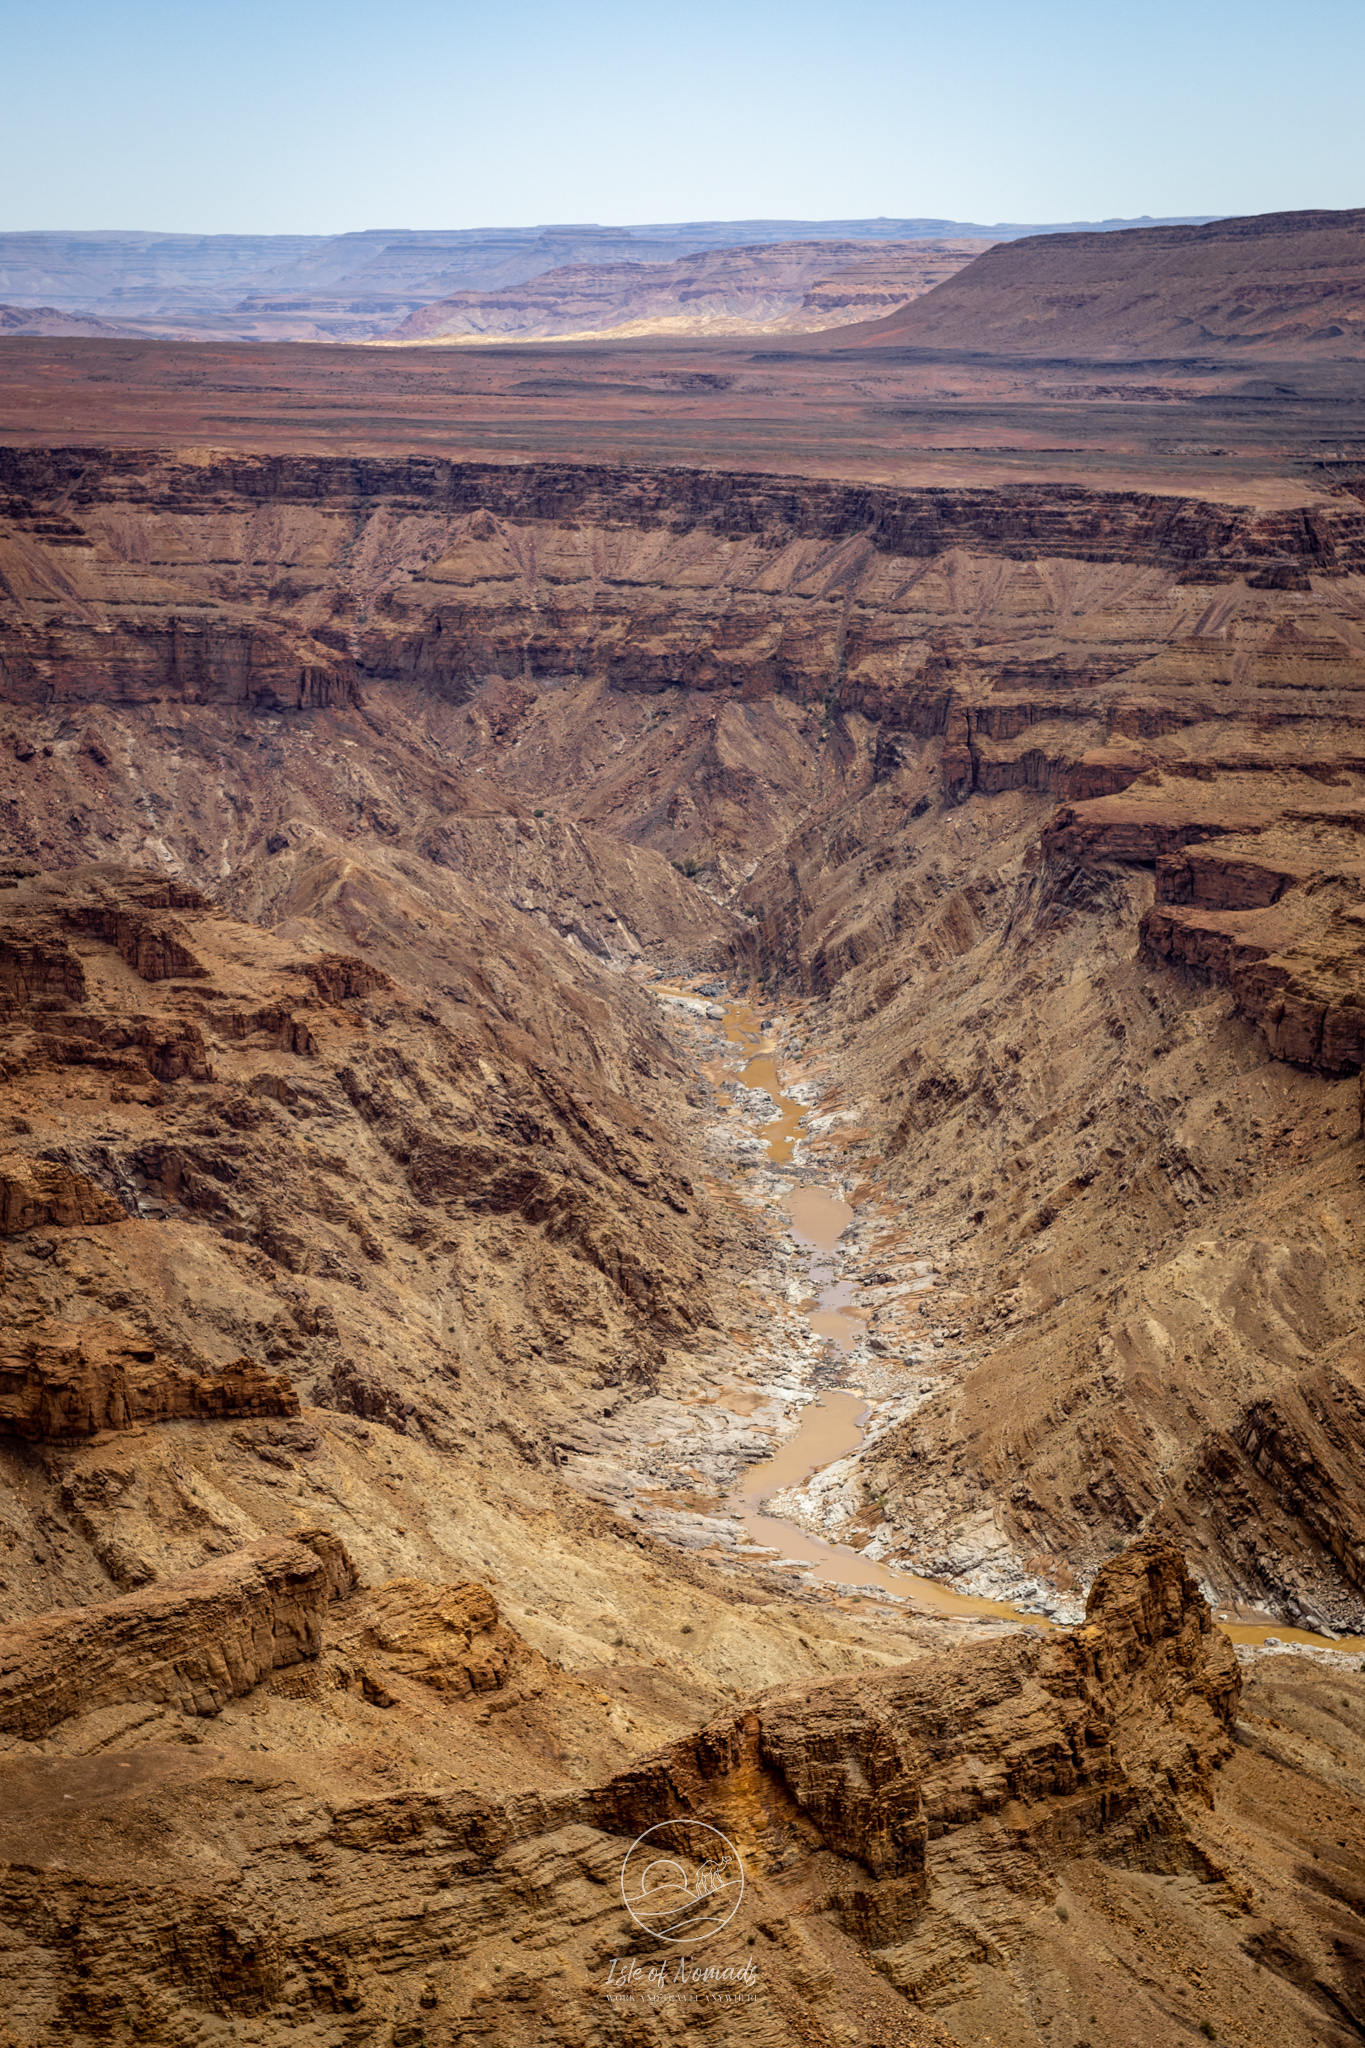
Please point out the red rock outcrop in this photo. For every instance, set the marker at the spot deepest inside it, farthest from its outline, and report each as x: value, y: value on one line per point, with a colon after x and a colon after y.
x: 869, y: 1816
x: 1214, y: 881
x: 38, y: 1191
x: 1111, y: 1724
x: 154, y: 947
x: 59, y: 1383
x: 448, y: 1638
x: 33, y: 969
x: 1268, y: 905
x: 1312, y: 1012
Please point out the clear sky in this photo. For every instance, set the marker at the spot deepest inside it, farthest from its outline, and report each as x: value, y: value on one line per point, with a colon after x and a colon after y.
x: 314, y: 116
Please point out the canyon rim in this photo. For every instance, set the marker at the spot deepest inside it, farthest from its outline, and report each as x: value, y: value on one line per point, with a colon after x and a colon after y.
x: 681, y: 1167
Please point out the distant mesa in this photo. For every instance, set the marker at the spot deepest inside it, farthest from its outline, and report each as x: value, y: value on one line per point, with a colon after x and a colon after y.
x: 354, y: 287
x: 763, y: 289
x: 1283, y: 284
x: 1291, y: 285
x: 52, y: 320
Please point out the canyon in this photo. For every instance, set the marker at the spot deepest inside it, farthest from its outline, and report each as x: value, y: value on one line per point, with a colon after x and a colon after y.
x: 576, y: 920
x: 799, y: 287
x: 351, y: 287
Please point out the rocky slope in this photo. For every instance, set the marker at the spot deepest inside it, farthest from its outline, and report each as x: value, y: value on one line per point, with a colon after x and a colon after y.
x: 941, y: 783
x: 320, y: 1867
x: 781, y: 286
x: 364, y: 1214
x: 1289, y: 285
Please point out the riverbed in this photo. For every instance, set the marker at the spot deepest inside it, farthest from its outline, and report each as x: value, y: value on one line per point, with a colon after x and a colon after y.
x: 833, y: 1425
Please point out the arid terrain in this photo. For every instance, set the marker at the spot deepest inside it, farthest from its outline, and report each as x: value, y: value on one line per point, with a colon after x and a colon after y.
x: 1283, y: 284
x: 783, y: 286
x: 1276, y: 434
x: 352, y: 287
x: 459, y: 807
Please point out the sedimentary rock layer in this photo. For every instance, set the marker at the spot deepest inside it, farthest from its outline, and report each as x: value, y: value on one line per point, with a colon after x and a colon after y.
x: 787, y: 286
x: 332, y: 1043
x: 1008, y: 1785
x: 1291, y: 284
x: 193, y: 1642
x: 60, y: 1382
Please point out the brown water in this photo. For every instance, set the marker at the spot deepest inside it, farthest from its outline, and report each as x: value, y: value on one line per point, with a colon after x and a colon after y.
x: 818, y: 1216
x: 832, y: 1426
x: 760, y: 1071
x: 1256, y: 1632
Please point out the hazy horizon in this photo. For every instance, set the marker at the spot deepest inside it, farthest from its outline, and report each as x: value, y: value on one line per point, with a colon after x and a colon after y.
x: 528, y: 228
x: 300, y: 119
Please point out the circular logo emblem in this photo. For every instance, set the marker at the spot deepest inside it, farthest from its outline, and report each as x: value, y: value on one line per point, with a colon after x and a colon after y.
x: 682, y: 1880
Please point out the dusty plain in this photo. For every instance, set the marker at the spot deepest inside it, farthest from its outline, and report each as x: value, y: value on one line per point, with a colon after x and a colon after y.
x: 1262, y: 433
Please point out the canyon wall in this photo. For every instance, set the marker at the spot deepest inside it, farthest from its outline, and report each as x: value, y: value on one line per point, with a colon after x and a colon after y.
x: 350, y: 1175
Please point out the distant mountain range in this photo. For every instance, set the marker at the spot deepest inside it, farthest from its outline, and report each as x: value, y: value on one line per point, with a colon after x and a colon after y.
x: 355, y: 287
x: 1285, y: 284
x: 53, y: 320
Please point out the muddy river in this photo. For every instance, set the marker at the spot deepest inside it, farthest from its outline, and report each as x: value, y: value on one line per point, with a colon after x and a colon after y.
x: 833, y: 1424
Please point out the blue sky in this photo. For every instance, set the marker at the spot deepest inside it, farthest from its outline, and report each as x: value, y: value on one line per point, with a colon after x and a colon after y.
x: 296, y: 116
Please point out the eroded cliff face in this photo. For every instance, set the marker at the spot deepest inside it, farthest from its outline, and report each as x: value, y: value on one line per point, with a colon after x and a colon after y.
x: 695, y: 662
x: 1053, y: 797
x: 350, y: 1890
x: 1139, y: 1191
x: 239, y: 1159
x: 351, y: 1182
